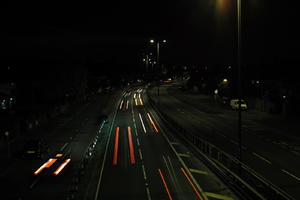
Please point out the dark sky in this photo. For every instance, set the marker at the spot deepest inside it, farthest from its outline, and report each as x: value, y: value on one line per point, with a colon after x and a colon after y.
x: 198, y: 31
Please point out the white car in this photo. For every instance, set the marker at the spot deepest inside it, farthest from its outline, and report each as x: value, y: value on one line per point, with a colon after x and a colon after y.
x: 234, y: 103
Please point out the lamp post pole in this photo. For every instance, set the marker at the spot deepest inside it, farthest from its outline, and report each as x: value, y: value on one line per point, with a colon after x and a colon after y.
x: 239, y: 61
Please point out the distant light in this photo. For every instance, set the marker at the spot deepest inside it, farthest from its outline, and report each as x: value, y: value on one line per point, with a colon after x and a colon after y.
x: 144, y: 59
x: 257, y: 82
x: 216, y: 91
x: 164, y: 41
x: 284, y: 96
x: 225, y: 80
x: 154, y: 62
x: 151, y: 41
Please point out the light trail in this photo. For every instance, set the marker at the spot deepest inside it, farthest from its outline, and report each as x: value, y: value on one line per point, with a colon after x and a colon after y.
x: 115, y: 158
x: 121, y: 104
x: 127, y: 105
x: 45, y: 165
x: 152, y: 123
x: 131, y: 148
x: 61, y: 167
x: 142, y: 122
x: 165, y: 184
x: 191, y: 183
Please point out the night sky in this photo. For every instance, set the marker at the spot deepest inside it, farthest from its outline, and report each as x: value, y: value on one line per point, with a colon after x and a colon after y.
x: 200, y: 32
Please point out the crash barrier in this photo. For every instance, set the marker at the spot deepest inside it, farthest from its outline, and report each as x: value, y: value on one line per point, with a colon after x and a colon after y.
x: 81, y: 168
x: 244, y: 181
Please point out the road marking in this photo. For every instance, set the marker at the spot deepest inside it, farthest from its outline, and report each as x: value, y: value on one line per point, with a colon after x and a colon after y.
x: 115, y: 158
x: 64, y: 146
x: 105, y: 155
x: 165, y: 184
x: 138, y: 141
x: 290, y: 174
x: 184, y: 155
x: 218, y: 196
x: 152, y: 123
x: 198, y: 171
x: 175, y: 143
x: 148, y: 193
x: 234, y: 142
x: 141, y: 156
x: 142, y: 122
x: 191, y: 183
x: 144, y: 172
x: 262, y: 158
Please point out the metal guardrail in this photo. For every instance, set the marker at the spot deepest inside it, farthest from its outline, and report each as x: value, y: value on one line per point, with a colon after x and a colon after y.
x: 249, y: 185
x: 81, y: 168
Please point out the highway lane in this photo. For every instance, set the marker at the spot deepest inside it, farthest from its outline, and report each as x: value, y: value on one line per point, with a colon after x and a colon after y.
x: 142, y: 162
x: 75, y: 132
x: 278, y: 165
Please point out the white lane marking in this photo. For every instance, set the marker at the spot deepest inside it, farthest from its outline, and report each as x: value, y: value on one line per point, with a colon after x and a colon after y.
x: 105, y: 155
x: 148, y: 192
x: 144, y: 172
x: 138, y: 141
x: 142, y: 122
x: 64, y: 146
x: 218, y: 196
x: 184, y: 155
x: 134, y: 123
x: 262, y: 158
x: 197, y: 171
x: 290, y: 174
x: 141, y: 156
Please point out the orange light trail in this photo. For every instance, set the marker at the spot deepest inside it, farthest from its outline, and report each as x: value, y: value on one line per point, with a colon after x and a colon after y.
x: 61, y: 167
x: 193, y: 186
x: 131, y: 149
x: 134, y: 96
x: 115, y: 159
x: 59, y: 155
x: 165, y: 184
x: 45, y: 165
x: 152, y: 122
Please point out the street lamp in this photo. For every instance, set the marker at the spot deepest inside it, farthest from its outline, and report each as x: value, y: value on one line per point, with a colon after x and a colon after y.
x: 152, y: 41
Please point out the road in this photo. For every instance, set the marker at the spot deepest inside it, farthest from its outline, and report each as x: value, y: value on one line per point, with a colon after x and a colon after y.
x: 142, y: 160
x: 262, y: 145
x: 136, y: 157
x: 74, y: 130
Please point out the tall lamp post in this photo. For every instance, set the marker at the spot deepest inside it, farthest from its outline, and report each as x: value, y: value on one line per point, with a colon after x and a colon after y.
x: 152, y: 41
x: 239, y: 61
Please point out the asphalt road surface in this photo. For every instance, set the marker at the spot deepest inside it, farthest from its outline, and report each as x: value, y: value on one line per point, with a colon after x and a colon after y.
x: 264, y: 146
x: 136, y: 157
x: 142, y: 160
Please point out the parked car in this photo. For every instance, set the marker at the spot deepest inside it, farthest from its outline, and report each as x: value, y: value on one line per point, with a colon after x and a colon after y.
x: 35, y: 148
x: 234, y: 103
